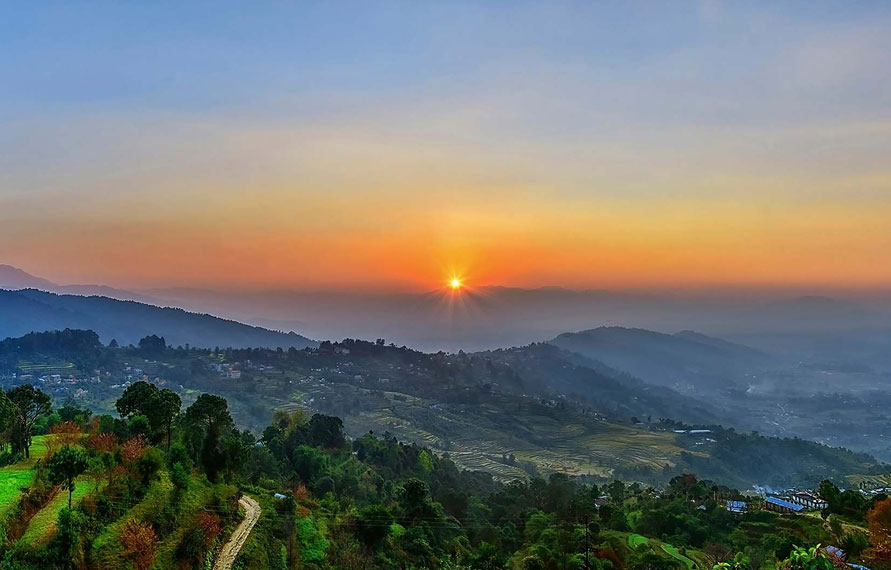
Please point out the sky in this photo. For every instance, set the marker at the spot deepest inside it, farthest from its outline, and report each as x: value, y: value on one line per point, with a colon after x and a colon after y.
x: 392, y: 145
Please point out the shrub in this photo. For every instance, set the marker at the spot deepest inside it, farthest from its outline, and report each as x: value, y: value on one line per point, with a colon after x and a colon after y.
x: 138, y: 543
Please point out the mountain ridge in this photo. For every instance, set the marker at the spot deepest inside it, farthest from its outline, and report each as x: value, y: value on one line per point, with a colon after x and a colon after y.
x: 686, y: 358
x: 29, y: 310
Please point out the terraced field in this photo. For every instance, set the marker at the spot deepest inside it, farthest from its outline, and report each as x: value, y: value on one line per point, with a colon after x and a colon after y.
x: 870, y: 481
x: 673, y: 552
x: 46, y: 368
x: 478, y: 437
x: 43, y: 524
x: 21, y: 474
x: 690, y: 559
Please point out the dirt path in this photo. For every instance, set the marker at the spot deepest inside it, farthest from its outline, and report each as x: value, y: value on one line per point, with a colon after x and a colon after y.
x: 231, y: 549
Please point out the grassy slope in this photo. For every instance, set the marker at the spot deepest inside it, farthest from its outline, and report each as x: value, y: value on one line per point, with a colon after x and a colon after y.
x: 21, y: 474
x: 43, y: 524
x: 106, y: 546
x: 551, y: 439
x: 639, y: 543
x: 14, y: 477
x: 157, y: 504
x: 672, y: 551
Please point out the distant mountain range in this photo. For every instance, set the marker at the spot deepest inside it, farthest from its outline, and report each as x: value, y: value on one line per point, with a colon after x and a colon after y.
x: 796, y: 326
x: 685, y: 359
x: 30, y: 310
x: 14, y: 278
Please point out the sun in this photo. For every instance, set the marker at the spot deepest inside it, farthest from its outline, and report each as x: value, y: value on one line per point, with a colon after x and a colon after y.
x: 455, y: 283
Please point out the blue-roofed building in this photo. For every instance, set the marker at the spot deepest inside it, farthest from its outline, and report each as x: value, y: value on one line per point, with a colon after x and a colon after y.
x: 782, y: 506
x: 736, y: 506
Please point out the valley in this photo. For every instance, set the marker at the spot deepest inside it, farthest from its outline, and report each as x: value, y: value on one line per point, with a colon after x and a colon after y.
x: 514, y: 413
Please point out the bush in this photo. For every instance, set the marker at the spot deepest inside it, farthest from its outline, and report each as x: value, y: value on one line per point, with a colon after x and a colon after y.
x: 179, y: 477
x: 148, y: 465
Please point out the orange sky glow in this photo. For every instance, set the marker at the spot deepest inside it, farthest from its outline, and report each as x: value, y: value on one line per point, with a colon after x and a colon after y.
x: 731, y: 147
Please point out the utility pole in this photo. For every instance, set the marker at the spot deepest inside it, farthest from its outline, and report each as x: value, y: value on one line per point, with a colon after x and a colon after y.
x: 586, y: 544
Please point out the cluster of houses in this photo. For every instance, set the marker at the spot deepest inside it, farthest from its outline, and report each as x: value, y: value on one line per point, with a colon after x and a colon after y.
x: 226, y: 369
x: 789, y: 503
x: 66, y: 384
x: 53, y: 379
x: 233, y: 370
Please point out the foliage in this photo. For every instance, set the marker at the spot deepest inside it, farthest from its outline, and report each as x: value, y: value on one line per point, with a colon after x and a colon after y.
x: 813, y: 558
x: 30, y: 404
x: 138, y: 544
x: 64, y: 467
x: 373, y: 502
x: 159, y: 406
x: 313, y: 544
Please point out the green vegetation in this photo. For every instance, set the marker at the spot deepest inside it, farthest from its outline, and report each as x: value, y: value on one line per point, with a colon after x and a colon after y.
x: 43, y: 525
x: 158, y: 485
x: 15, y: 477
x: 674, y: 553
x: 514, y: 413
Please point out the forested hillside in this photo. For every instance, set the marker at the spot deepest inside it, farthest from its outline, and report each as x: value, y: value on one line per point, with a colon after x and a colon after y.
x: 158, y: 486
x: 513, y: 413
x: 126, y: 322
x: 687, y: 360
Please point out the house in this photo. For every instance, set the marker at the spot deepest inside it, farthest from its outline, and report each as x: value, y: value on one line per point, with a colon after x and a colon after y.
x: 809, y: 501
x: 779, y: 505
x: 739, y: 507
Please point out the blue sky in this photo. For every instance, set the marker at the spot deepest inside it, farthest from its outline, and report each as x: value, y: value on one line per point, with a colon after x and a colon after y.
x: 462, y: 125
x: 217, y: 54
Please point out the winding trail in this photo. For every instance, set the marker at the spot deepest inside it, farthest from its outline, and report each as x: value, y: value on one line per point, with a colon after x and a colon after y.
x: 231, y: 549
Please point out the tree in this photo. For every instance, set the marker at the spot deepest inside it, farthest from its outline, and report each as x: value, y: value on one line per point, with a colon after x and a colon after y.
x: 168, y: 406
x: 179, y: 477
x: 138, y: 541
x: 69, y: 525
x: 209, y: 412
x: 65, y: 466
x: 854, y: 543
x: 326, y: 431
x: 152, y: 345
x: 309, y: 463
x: 148, y: 465
x: 208, y: 422
x: 831, y: 494
x: 31, y: 403
x: 616, y: 492
x: 879, y: 519
x: 487, y: 557
x: 72, y: 413
x: 160, y: 407
x: 136, y: 400
x: 8, y: 413
x: 373, y: 525
x: 716, y: 553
